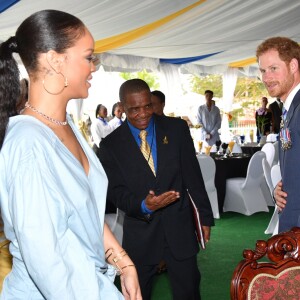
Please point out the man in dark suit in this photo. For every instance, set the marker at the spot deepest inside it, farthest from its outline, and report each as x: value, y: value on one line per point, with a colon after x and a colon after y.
x: 158, y: 219
x: 279, y: 62
x: 276, y: 109
x: 158, y: 100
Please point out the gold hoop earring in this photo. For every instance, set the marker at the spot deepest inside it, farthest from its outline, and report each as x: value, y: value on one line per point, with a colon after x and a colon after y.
x: 61, y: 90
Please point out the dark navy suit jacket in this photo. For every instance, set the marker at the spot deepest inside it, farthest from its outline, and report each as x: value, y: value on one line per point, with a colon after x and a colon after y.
x: 277, y: 112
x: 290, y: 169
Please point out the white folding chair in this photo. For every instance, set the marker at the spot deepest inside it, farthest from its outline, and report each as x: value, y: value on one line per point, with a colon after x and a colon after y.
x: 244, y: 195
x: 208, y: 169
x: 273, y: 224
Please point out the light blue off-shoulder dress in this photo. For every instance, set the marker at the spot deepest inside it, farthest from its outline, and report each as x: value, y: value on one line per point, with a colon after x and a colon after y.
x: 53, y: 215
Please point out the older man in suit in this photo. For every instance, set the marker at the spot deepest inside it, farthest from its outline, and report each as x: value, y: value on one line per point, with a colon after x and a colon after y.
x: 279, y: 63
x: 152, y: 191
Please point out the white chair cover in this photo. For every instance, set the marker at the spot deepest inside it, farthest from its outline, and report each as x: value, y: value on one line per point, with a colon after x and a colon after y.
x: 269, y: 149
x: 267, y: 186
x: 272, y: 137
x: 276, y: 155
x: 275, y: 174
x: 208, y: 169
x: 244, y: 195
x: 273, y: 224
x: 267, y: 173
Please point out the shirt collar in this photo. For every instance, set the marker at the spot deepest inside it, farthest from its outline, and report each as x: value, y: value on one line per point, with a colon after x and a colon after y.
x: 135, y: 131
x: 291, y: 96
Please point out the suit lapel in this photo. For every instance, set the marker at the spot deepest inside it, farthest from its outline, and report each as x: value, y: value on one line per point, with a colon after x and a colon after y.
x: 162, y: 144
x: 294, y: 105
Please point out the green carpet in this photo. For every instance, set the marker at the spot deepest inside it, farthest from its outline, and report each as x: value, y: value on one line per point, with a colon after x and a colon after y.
x: 232, y: 234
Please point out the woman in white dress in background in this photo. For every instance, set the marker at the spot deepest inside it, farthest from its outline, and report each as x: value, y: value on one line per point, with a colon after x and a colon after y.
x: 100, y: 127
x: 117, y: 112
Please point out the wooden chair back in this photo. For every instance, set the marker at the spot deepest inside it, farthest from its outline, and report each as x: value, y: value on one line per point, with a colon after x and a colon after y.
x: 276, y: 276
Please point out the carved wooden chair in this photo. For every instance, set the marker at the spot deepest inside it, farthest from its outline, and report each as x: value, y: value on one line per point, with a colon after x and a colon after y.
x: 276, y: 276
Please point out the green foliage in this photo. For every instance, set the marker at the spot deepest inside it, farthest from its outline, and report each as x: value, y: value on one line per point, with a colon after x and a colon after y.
x: 150, y: 78
x: 249, y: 88
x: 261, y: 122
x: 245, y: 87
x: 236, y: 113
x: 208, y: 82
x: 248, y: 92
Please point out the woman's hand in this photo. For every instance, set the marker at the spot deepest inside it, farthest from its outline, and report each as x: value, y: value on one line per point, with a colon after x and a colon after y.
x: 130, y: 284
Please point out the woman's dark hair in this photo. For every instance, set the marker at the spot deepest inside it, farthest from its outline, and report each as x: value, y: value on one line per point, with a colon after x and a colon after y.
x: 98, y: 109
x: 114, y: 108
x: 23, y: 95
x: 42, y: 31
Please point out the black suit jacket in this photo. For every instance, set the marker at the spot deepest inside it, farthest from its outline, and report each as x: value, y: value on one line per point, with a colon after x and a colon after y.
x: 130, y: 179
x: 277, y: 112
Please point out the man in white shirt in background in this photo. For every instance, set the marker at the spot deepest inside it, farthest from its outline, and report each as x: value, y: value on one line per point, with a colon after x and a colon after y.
x: 210, y: 118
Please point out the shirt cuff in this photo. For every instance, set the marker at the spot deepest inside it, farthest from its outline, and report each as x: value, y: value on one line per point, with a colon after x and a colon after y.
x: 144, y: 208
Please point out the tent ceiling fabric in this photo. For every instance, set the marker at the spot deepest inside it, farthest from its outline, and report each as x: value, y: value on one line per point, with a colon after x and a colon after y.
x: 229, y: 29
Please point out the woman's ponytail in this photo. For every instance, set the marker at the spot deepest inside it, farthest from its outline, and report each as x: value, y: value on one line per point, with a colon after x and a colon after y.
x: 9, y: 84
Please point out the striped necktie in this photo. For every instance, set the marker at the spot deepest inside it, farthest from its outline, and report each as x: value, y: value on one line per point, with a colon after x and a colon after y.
x: 146, y: 150
x: 284, y: 113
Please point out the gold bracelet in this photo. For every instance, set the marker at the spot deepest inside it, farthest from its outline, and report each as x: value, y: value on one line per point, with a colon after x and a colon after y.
x: 127, y: 266
x: 119, y: 256
x: 120, y: 270
x: 110, y: 254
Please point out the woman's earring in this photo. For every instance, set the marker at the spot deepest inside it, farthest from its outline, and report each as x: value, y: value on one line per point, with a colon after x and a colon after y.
x: 61, y: 90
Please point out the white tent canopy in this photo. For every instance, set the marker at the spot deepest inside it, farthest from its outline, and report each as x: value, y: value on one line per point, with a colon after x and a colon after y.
x: 230, y: 28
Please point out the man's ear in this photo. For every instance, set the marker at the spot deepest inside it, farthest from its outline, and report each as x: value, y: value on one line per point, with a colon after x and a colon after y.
x: 55, y: 60
x: 294, y: 65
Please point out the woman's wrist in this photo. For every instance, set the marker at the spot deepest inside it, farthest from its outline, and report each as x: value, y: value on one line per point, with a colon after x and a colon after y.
x: 120, y: 260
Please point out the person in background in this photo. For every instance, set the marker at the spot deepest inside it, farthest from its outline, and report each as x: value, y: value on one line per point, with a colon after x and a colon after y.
x: 158, y: 100
x: 210, y: 118
x: 276, y: 109
x: 117, y: 112
x: 52, y: 186
x: 263, y: 118
x: 279, y: 63
x: 100, y: 127
x: 149, y: 176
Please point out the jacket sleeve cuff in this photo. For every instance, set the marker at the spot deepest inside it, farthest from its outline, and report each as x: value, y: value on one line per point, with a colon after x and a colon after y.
x: 145, y: 209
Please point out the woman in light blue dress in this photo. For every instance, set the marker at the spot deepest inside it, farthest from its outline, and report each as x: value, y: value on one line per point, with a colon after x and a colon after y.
x: 52, y: 186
